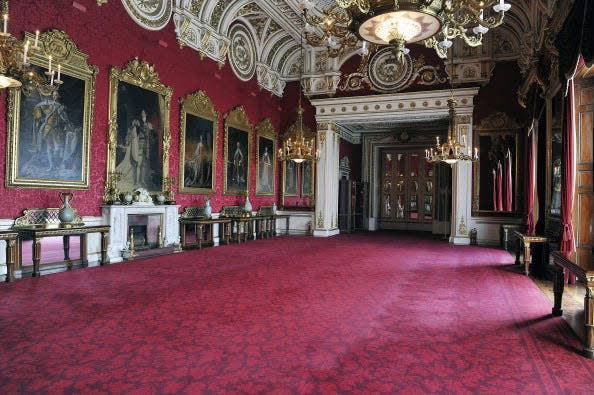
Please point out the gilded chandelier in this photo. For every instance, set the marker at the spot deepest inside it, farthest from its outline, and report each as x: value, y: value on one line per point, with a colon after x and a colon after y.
x: 400, y: 22
x: 451, y: 151
x: 296, y: 146
x: 15, y: 68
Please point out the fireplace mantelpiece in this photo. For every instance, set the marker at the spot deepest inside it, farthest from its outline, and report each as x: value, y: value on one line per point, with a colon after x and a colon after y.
x: 117, y: 217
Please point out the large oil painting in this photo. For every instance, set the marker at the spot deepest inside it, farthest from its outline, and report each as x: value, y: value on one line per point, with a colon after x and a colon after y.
x: 266, y: 160
x: 198, y: 126
x: 139, y: 127
x: 237, y: 152
x: 50, y: 125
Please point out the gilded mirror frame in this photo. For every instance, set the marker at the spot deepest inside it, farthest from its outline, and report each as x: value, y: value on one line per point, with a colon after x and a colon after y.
x: 265, y: 158
x: 238, y: 133
x: 29, y: 106
x: 198, y: 126
x: 138, y: 80
x: 495, y: 130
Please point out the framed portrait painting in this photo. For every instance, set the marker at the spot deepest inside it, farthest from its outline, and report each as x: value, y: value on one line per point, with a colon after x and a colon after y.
x: 198, y: 139
x: 139, y: 127
x: 266, y: 158
x: 50, y: 122
x: 237, y: 152
x: 307, y: 179
x: 290, y: 172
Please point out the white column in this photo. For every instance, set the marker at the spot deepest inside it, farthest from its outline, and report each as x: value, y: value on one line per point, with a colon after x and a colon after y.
x: 462, y: 186
x: 326, y: 213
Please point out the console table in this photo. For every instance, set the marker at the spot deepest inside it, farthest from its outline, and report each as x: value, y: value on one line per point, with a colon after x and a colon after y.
x: 203, y: 230
x: 37, y: 232
x: 582, y: 266
x: 526, y: 241
x: 11, y: 238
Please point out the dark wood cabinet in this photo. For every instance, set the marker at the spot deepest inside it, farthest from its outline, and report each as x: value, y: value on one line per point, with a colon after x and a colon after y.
x: 352, y: 205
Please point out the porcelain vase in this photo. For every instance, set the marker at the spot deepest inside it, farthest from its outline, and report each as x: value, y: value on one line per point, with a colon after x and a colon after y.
x: 66, y: 213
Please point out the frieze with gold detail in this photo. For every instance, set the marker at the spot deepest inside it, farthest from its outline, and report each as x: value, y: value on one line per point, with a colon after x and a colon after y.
x: 150, y: 14
x: 386, y: 75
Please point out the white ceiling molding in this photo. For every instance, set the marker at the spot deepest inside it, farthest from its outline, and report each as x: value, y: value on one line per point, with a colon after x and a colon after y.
x: 275, y: 26
x: 369, y: 114
x: 269, y: 79
x: 153, y: 15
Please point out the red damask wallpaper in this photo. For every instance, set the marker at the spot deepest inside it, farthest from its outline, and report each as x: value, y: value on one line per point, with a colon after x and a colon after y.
x: 111, y: 38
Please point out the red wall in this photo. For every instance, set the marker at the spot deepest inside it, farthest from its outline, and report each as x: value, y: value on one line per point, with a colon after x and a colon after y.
x: 111, y: 38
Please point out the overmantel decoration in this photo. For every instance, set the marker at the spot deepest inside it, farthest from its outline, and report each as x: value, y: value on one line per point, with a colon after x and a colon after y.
x: 42, y: 117
x: 384, y: 75
x: 139, y: 128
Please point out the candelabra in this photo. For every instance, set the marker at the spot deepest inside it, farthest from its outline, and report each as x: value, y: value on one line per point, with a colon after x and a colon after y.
x: 111, y: 195
x: 15, y: 56
x: 168, y: 183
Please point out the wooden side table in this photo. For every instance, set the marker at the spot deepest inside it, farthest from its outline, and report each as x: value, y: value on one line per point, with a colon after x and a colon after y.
x: 524, y: 243
x: 11, y: 238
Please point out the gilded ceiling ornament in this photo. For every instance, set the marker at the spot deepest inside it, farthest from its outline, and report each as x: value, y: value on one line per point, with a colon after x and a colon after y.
x: 242, y: 52
x: 150, y: 14
x: 385, y: 74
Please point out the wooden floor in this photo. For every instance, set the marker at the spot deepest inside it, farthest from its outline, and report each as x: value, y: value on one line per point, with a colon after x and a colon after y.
x: 573, y: 303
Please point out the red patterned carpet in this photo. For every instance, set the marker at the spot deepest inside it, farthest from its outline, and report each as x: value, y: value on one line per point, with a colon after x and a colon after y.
x: 364, y: 313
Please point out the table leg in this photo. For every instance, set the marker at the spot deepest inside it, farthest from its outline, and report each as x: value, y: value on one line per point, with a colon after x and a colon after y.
x: 182, y: 229
x: 84, y: 256
x: 287, y: 225
x: 36, y: 256
x: 10, y: 258
x: 505, y: 238
x: 558, y: 285
x: 518, y: 250
x: 66, y: 243
x: 527, y: 258
x: 227, y: 232
x: 199, y: 235
x: 104, y: 236
x: 589, y: 318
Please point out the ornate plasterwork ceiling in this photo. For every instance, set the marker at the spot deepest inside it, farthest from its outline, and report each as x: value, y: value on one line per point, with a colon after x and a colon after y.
x: 268, y: 37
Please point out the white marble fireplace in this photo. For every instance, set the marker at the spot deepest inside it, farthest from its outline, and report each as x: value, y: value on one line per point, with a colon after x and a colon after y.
x: 117, y: 217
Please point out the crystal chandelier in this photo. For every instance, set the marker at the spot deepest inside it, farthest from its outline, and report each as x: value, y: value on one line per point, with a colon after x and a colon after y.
x: 433, y: 22
x: 296, y: 146
x: 15, y: 68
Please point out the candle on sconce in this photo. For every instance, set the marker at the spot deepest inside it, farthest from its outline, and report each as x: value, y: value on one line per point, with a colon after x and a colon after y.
x: 25, y: 51
x: 476, y: 152
x: 36, y: 39
x: 49, y: 64
x: 59, y: 71
x: 5, y: 31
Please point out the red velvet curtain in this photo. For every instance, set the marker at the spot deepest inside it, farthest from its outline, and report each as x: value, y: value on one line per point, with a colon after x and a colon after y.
x: 508, y: 182
x: 531, y: 176
x: 567, y: 241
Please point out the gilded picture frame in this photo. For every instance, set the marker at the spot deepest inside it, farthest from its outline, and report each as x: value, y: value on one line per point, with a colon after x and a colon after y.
x: 237, y: 154
x: 498, y: 139
x: 49, y: 127
x: 290, y: 178
x: 265, y: 158
x: 198, y: 144
x: 139, y: 137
